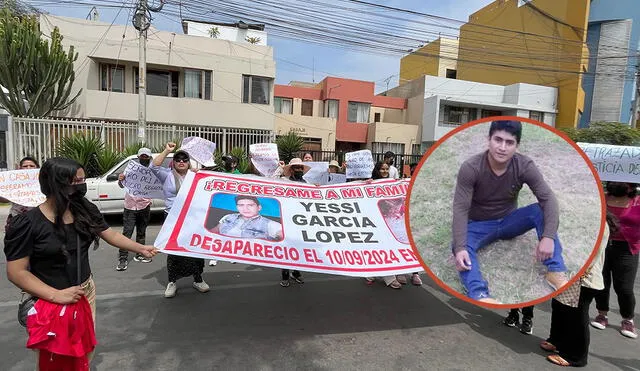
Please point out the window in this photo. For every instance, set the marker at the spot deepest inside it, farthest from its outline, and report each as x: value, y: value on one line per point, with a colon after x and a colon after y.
x: 307, y: 107
x: 283, y: 105
x: 160, y: 83
x: 450, y: 115
x: 416, y: 149
x: 331, y: 108
x: 358, y: 112
x: 256, y: 89
x: 197, y: 84
x: 536, y: 115
x: 112, y: 78
x: 376, y: 117
x: 490, y: 113
x: 451, y: 74
x: 381, y: 147
x: 312, y: 144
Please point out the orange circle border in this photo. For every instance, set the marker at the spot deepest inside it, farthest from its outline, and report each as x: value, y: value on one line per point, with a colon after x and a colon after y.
x: 459, y: 295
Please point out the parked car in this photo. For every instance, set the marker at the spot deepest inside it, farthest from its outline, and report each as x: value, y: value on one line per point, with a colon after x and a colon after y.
x: 105, y: 192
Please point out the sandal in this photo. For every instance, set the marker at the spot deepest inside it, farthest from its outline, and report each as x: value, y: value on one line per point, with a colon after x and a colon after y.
x: 545, y: 345
x: 395, y: 284
x: 370, y: 281
x: 557, y: 360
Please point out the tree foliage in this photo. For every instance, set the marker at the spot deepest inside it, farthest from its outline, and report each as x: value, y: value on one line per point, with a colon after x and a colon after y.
x: 613, y: 133
x: 289, y: 145
x: 37, y: 73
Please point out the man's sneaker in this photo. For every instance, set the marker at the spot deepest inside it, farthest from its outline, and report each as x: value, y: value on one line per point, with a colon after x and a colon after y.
x: 171, y: 290
x: 415, y: 279
x: 512, y: 320
x: 628, y: 329
x: 556, y: 279
x: 284, y: 283
x: 600, y: 322
x: 527, y: 326
x: 201, y: 286
x: 402, y: 279
x: 122, y: 265
x: 213, y: 263
x: 141, y: 259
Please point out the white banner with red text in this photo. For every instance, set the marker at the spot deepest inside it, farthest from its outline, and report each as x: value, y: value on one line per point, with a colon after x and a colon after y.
x: 353, y: 229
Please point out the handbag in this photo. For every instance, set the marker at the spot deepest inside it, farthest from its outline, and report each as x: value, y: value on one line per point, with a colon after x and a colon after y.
x: 28, y: 301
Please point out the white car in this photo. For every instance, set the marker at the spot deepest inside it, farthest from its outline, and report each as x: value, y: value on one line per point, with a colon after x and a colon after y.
x: 105, y: 192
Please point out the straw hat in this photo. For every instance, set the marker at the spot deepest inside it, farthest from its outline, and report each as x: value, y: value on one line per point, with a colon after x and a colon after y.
x: 295, y: 161
x: 334, y: 163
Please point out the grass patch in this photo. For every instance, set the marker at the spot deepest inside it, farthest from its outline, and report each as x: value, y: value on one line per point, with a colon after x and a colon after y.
x: 510, y: 267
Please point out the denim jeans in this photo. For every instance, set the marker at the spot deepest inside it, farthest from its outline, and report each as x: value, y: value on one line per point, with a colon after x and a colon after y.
x: 482, y: 233
x: 138, y: 219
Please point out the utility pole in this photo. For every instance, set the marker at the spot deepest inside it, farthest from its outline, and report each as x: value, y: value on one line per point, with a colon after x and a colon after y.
x: 635, y: 114
x: 142, y: 21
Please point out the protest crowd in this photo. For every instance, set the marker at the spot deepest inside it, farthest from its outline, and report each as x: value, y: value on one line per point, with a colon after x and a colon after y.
x: 340, y: 218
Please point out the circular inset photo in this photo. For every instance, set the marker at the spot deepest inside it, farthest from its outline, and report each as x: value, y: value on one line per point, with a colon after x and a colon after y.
x: 505, y: 212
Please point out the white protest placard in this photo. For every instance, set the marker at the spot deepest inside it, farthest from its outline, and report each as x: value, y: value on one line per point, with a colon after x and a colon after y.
x: 331, y: 178
x: 199, y: 149
x: 21, y: 187
x: 264, y: 157
x: 614, y: 163
x: 139, y: 181
x: 316, y: 171
x: 359, y: 164
x: 347, y: 229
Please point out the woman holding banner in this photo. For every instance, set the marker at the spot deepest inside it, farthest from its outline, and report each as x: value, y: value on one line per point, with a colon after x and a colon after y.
x: 25, y: 164
x: 177, y: 266
x: 621, y: 258
x: 381, y: 171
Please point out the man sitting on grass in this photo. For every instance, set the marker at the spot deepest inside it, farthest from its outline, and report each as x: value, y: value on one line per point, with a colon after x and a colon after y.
x: 485, y: 209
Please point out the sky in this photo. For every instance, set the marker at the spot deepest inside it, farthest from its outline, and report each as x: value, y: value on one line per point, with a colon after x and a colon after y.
x: 328, y: 61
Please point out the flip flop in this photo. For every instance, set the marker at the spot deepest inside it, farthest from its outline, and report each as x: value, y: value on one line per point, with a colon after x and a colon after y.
x: 557, y: 360
x: 545, y: 345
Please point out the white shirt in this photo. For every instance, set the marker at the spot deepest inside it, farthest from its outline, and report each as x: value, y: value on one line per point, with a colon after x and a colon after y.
x: 393, y: 172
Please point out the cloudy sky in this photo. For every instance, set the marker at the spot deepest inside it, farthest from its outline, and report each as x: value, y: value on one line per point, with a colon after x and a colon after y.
x: 328, y: 60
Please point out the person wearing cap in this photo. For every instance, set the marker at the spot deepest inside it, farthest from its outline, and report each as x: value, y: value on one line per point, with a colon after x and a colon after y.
x: 172, y: 178
x: 389, y: 158
x: 137, y: 211
x: 248, y: 223
x: 294, y: 172
x: 230, y: 164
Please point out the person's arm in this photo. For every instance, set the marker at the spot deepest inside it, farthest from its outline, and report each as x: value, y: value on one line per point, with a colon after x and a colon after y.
x: 118, y: 240
x: 550, y: 209
x: 157, y: 161
x: 156, y: 165
x: 274, y: 230
x: 18, y: 273
x: 461, y: 205
x: 121, y: 178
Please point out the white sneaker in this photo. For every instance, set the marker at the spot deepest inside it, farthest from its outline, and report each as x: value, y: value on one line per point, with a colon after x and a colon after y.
x: 213, y: 263
x: 171, y: 290
x: 201, y: 286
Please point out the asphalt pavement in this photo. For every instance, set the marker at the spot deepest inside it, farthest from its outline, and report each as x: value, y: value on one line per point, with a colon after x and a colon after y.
x: 248, y: 322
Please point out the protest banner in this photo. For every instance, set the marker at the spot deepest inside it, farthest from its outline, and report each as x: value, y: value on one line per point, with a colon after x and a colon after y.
x: 264, y: 157
x: 614, y: 163
x: 355, y: 229
x: 316, y: 172
x: 199, y: 149
x: 330, y: 178
x: 139, y: 181
x: 21, y: 187
x: 359, y: 164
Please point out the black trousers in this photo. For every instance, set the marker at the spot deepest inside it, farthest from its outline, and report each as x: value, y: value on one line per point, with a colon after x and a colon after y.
x: 526, y: 311
x: 620, y: 269
x: 138, y: 219
x: 285, y: 274
x: 570, y: 328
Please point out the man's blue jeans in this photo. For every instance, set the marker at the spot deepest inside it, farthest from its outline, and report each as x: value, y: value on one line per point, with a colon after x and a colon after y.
x: 482, y: 233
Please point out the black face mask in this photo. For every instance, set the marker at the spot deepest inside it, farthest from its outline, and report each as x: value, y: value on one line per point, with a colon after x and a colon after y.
x: 617, y: 189
x: 78, y: 190
x: 145, y: 162
x: 298, y: 174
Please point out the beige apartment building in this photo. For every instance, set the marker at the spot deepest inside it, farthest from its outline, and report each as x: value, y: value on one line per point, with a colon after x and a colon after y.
x: 191, y: 79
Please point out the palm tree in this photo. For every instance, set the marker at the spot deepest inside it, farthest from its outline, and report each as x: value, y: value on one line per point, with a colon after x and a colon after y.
x: 253, y: 40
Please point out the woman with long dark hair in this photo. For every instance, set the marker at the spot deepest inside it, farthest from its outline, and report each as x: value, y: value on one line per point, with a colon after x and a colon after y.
x: 42, y: 245
x: 16, y: 209
x: 172, y: 178
x: 621, y: 258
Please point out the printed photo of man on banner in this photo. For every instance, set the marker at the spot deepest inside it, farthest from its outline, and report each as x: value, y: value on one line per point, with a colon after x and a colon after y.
x: 353, y: 229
